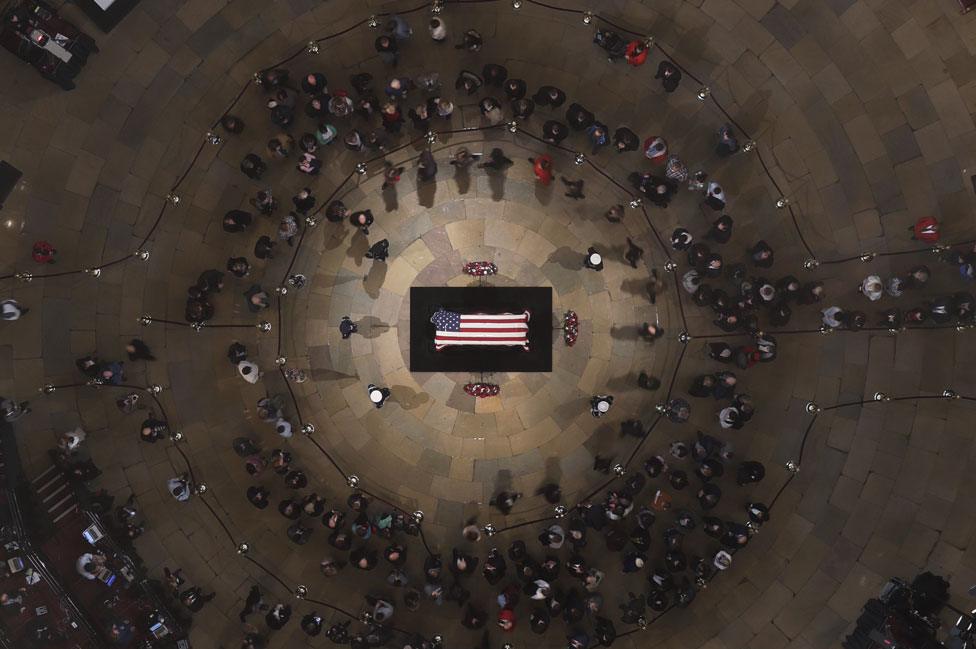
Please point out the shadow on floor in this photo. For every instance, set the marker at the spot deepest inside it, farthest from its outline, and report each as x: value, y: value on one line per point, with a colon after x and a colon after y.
x: 407, y: 397
x: 373, y: 281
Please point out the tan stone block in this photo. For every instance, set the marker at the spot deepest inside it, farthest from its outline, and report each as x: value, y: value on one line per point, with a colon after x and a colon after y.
x: 503, y: 234
x: 464, y: 234
x: 535, y: 247
x: 441, y: 417
x: 911, y: 39
x: 867, y: 144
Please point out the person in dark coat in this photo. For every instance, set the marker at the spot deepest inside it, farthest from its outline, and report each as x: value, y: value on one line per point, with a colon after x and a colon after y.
x: 194, y: 599
x: 761, y: 254
x: 138, y: 350
x: 749, y: 472
x: 379, y: 251
x: 669, y: 74
x: 237, y: 221
x: 721, y: 229
x: 426, y: 166
x: 347, y: 327
x: 278, y: 616
x: 253, y: 167
x: 625, y: 139
x: 362, y: 220
x: 554, y: 132
x: 497, y: 161
x: 549, y: 96
x: 579, y: 118
x: 515, y: 89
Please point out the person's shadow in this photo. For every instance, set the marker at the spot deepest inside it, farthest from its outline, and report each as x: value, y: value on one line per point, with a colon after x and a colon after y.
x: 390, y: 198
x: 625, y: 333
x: 371, y: 326
x: 373, y: 281
x: 426, y: 189
x: 407, y: 397
x: 358, y: 247
x: 496, y: 182
x: 463, y: 179
x: 567, y: 258
x: 543, y: 193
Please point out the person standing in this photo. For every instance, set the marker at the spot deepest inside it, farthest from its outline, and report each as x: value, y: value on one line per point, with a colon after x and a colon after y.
x: 379, y: 251
x: 593, y: 259
x: 377, y: 395
x: 43, y: 252
x: 12, y: 410
x: 542, y: 168
x: 194, y: 599
x: 386, y: 47
x: 139, y: 351
x: 600, y: 405
x: 347, y: 327
x: 669, y: 74
x: 11, y: 310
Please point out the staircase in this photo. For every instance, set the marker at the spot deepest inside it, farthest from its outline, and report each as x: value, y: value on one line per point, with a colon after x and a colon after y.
x: 55, y: 494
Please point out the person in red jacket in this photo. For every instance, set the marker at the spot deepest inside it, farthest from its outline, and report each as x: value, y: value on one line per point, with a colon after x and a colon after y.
x: 506, y: 620
x: 43, y: 252
x: 636, y: 53
x: 542, y: 167
x: 926, y: 229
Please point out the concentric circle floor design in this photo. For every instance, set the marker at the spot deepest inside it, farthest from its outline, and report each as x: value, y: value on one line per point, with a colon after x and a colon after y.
x: 862, y: 112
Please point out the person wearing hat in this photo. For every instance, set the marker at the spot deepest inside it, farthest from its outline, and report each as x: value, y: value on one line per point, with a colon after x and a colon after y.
x: 600, y: 405
x: 593, y: 259
x: 377, y: 395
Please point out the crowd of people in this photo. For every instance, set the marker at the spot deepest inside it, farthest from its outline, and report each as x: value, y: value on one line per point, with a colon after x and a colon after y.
x: 536, y: 585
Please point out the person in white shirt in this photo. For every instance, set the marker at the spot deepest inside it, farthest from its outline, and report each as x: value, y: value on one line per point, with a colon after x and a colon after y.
x: 283, y: 427
x: 11, y: 310
x: 89, y: 565
x: 249, y: 371
x: 872, y: 287
x: 438, y: 30
x: 179, y: 488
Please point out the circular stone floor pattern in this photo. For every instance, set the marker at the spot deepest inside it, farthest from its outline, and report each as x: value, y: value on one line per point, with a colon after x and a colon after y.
x: 863, y: 112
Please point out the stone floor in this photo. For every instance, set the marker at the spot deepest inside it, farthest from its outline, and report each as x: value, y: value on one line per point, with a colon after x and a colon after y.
x: 863, y: 112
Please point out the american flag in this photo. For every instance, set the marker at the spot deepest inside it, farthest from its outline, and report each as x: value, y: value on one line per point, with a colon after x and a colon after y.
x: 453, y: 328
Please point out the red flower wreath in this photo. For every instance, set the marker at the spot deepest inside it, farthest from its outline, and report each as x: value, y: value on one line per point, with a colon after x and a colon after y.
x: 482, y: 390
x: 480, y: 268
x: 570, y: 328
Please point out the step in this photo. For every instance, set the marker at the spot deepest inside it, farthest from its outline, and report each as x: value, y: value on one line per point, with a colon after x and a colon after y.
x: 67, y: 497
x: 56, y: 492
x: 72, y: 509
x: 43, y: 475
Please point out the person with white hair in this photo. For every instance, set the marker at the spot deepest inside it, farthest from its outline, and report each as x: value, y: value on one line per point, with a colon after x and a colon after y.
x: 872, y: 288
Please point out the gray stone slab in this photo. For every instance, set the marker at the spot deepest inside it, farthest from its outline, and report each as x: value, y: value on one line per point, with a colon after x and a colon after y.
x: 784, y: 26
x: 900, y: 144
x: 209, y: 36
